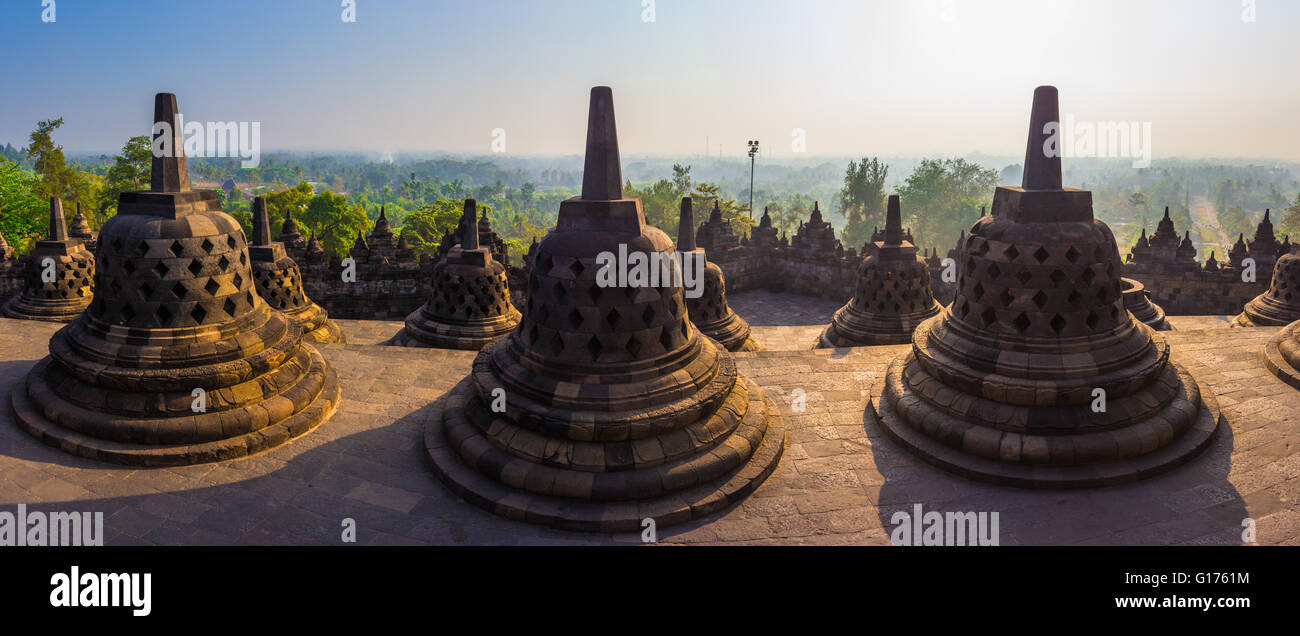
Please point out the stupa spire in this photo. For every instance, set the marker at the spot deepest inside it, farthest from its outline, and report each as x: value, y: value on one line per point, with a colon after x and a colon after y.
x: 470, y: 240
x: 58, y: 224
x: 893, y: 222
x: 686, y: 227
x: 602, y: 174
x: 168, y: 171
x: 261, y: 222
x: 1043, y: 164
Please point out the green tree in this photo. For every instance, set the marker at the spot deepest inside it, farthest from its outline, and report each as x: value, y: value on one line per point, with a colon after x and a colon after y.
x: 24, y: 213
x: 58, y: 179
x: 424, y: 227
x: 942, y: 197
x: 129, y: 173
x: 862, y: 199
x: 1290, y: 223
x: 335, y: 222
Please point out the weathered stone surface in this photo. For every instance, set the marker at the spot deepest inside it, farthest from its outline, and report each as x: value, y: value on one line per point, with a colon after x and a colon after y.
x: 892, y: 296
x: 610, y: 406
x: 1138, y: 302
x: 469, y: 306
x: 178, y: 360
x: 279, y: 280
x: 1280, y: 305
x: 1004, y: 384
x: 709, y: 312
x: 59, y: 280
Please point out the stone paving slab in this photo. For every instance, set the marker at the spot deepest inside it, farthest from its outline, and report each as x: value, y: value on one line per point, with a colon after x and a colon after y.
x: 839, y: 482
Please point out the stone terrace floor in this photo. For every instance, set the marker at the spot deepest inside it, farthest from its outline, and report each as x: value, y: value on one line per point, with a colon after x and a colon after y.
x: 839, y: 481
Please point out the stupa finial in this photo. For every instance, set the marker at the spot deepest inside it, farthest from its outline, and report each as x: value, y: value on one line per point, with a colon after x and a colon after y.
x: 893, y: 222
x: 686, y: 227
x: 1043, y: 163
x: 602, y: 175
x: 261, y: 222
x: 168, y: 171
x: 58, y: 224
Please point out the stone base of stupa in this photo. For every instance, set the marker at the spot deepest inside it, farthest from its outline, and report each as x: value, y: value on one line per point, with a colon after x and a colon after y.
x: 732, y: 332
x: 1161, y: 426
x: 1138, y: 304
x: 1264, y: 311
x: 425, y: 330
x: 1282, y: 354
x: 715, y: 448
x: 851, y: 329
x: 23, y: 307
x: 316, y: 325
x: 144, y: 417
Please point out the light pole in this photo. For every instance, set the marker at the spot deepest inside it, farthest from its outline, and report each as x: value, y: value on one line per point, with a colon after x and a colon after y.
x: 753, y: 150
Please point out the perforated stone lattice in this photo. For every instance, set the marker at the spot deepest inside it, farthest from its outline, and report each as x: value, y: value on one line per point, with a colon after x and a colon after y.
x: 74, y: 278
x: 280, y: 286
x: 572, y: 318
x: 467, y: 297
x: 174, y: 282
x: 1039, y: 290
x: 904, y: 287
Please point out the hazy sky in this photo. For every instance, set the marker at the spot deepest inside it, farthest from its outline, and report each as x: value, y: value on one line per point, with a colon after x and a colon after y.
x: 920, y: 77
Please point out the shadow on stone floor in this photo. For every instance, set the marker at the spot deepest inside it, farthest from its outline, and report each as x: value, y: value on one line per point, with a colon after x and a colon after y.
x: 1194, y: 503
x: 296, y: 494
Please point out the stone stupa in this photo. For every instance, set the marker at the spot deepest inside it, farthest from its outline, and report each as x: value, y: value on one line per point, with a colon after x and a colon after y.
x: 1036, y: 375
x: 709, y: 311
x: 177, y: 360
x: 1280, y: 305
x: 59, y: 279
x: 469, y: 306
x: 605, y: 406
x: 279, y: 282
x: 1138, y: 302
x: 892, y: 295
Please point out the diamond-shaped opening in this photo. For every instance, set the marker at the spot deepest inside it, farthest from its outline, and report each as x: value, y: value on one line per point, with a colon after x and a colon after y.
x: 1041, y: 254
x: 1074, y: 297
x: 1021, y: 322
x: 648, y: 315
x: 594, y: 347
x: 1024, y: 276
x: 1102, y: 294
x: 1006, y: 297
x: 176, y: 248
x: 117, y: 245
x: 577, y: 268
x: 230, y: 307
x: 195, y: 267
x: 979, y: 248
x: 612, y: 317
x: 161, y: 269
x: 989, y: 316
x: 238, y: 281
x: 1092, y: 319
x: 666, y: 338
x: 558, y: 290
x: 1011, y: 252
x: 212, y: 287
x: 1072, y: 254
x: 1057, y: 277
x: 230, y: 240
x: 164, y: 315
x: 575, y: 319
x: 142, y: 247
x: 993, y: 271
x: 198, y: 314
x: 207, y: 245
x: 977, y: 291
x: 146, y: 290
x: 129, y: 266
x: 557, y: 344
x: 179, y: 290
x: 1088, y: 275
x: 223, y: 262
x: 1040, y: 299
x: 1057, y: 324
x: 633, y: 346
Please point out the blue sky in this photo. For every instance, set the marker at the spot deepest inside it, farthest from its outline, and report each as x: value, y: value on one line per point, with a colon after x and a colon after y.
x: 898, y: 77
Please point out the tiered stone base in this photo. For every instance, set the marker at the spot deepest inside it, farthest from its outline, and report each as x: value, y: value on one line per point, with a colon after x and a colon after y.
x: 1282, y: 354
x: 423, y: 329
x: 732, y: 332
x: 24, y: 308
x: 1155, y: 428
x: 851, y: 329
x: 316, y: 325
x: 127, y: 413
x: 1137, y: 303
x: 717, y: 450
x: 1264, y: 311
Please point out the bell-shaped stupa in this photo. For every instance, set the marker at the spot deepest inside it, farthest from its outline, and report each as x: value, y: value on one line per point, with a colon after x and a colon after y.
x: 1036, y: 375
x: 177, y: 360
x: 1138, y: 302
x: 605, y: 406
x: 469, y: 306
x: 59, y: 279
x: 279, y: 282
x: 892, y: 295
x: 707, y: 306
x: 1280, y: 305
